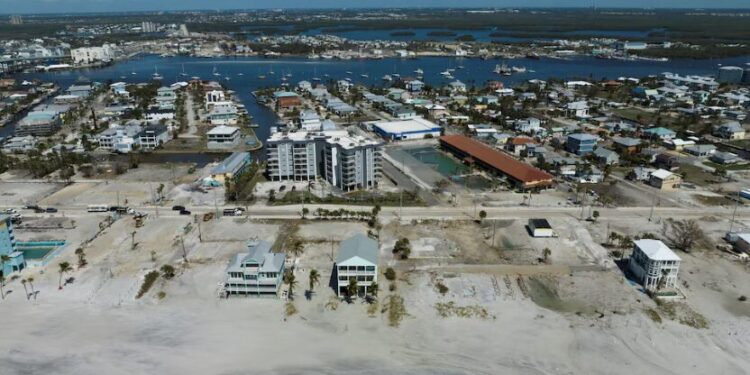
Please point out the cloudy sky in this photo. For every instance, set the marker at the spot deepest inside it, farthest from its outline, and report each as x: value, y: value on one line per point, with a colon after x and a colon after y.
x: 47, y: 6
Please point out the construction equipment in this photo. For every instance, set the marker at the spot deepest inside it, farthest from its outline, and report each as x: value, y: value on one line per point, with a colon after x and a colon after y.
x: 208, y: 216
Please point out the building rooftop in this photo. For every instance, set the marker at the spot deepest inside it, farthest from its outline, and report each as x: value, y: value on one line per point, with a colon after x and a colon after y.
x: 416, y: 124
x: 656, y: 250
x: 358, y: 246
x: 232, y: 163
x: 505, y: 163
x: 223, y: 130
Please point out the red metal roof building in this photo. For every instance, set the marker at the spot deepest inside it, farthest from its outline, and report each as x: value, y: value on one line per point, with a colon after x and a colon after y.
x: 473, y: 152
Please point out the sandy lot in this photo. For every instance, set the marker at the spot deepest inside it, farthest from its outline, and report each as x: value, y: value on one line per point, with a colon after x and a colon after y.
x: 500, y: 320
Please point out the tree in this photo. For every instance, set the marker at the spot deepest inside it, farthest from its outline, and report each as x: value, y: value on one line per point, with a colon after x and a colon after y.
x: 595, y: 214
x: 402, y: 248
x: 81, y: 257
x: 64, y: 268
x: 352, y: 288
x: 314, y: 279
x: 662, y: 280
x: 291, y: 282
x: 167, y: 271
x: 3, y: 259
x: 546, y: 253
x: 2, y: 284
x: 25, y: 290
x: 372, y: 290
x: 390, y: 274
x: 30, y: 280
x: 683, y: 234
x: 482, y: 215
x: 305, y: 211
x: 297, y: 248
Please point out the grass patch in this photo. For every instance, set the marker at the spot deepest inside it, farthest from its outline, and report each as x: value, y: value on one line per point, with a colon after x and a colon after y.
x: 450, y: 309
x: 148, y: 282
x: 290, y: 309
x: 372, y: 309
x: 728, y: 167
x: 396, y: 310
x: 441, y: 288
x: 696, y: 175
x: 654, y: 315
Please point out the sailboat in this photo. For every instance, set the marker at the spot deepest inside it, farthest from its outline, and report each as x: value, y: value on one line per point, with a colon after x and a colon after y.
x: 502, y: 70
x: 183, y: 71
x: 216, y: 73
x: 156, y: 76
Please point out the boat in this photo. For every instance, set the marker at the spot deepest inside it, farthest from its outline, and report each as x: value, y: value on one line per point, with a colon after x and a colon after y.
x: 518, y: 69
x: 364, y: 76
x: 316, y: 79
x: 419, y: 72
x: 532, y: 56
x: 502, y: 70
x: 387, y: 77
x: 240, y: 74
x: 460, y: 67
x: 349, y: 72
x: 216, y: 73
x: 227, y: 78
x: 313, y: 56
x: 156, y: 75
x: 183, y: 71
x: 262, y: 76
x: 254, y: 125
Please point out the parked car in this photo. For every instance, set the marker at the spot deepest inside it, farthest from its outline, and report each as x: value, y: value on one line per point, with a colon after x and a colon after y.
x: 31, y: 207
x: 185, y: 212
x: 51, y: 210
x: 10, y: 211
x: 178, y: 208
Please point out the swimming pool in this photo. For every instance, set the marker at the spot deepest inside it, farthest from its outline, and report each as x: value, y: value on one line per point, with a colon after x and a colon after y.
x: 437, y: 160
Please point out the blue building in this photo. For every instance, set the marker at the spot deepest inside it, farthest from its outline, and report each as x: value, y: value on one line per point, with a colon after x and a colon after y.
x: 8, y: 248
x: 581, y: 143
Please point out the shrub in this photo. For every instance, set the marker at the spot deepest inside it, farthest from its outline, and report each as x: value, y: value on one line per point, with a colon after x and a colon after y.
x: 390, y: 274
x: 148, y: 282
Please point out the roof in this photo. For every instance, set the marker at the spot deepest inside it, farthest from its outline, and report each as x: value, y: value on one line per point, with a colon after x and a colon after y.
x: 662, y: 174
x: 659, y: 131
x: 583, y: 137
x: 231, y: 164
x: 358, y: 246
x: 496, y: 159
x: 413, y: 125
x: 540, y: 223
x: 656, y: 250
x: 627, y: 142
x: 223, y: 130
x: 604, y: 153
x: 260, y: 252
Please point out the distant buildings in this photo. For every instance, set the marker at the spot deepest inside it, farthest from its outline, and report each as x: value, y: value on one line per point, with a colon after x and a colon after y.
x: 654, y: 265
x: 8, y: 248
x: 519, y: 174
x: 39, y: 123
x: 347, y: 162
x: 91, y: 55
x: 413, y: 128
x: 231, y: 167
x: 148, y: 27
x: 223, y: 137
x: 581, y: 143
x: 153, y: 136
x: 731, y: 130
x: 120, y: 138
x: 16, y: 20
x: 255, y: 272
x: 663, y: 179
x: 357, y: 260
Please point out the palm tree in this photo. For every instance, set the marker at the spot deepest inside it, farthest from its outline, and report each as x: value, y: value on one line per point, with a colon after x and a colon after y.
x: 30, y: 280
x: 64, y: 267
x: 3, y: 259
x: 373, y: 290
x: 291, y: 281
x: 25, y: 290
x: 297, y: 248
x: 2, y: 284
x: 353, y: 288
x: 81, y: 257
x: 314, y: 279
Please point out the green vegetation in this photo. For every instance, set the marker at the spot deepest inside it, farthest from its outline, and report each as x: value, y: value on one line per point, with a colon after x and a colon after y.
x: 368, y: 198
x: 449, y: 309
x: 402, y: 248
x: 395, y: 309
x: 390, y: 274
x: 148, y: 282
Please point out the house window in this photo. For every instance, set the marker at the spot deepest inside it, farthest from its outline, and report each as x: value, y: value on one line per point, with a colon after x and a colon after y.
x: 360, y: 268
x: 370, y: 268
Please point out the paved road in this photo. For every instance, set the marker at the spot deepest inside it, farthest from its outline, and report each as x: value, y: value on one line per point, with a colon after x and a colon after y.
x: 438, y: 213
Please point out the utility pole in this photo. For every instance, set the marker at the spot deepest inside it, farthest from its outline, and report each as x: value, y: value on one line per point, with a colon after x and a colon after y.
x: 653, y: 202
x: 583, y: 202
x: 200, y: 234
x: 494, y: 222
x: 184, y: 253
x: 118, y: 198
x: 216, y: 205
x: 734, y: 213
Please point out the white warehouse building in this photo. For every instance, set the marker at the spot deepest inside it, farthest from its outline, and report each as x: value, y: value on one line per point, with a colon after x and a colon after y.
x: 90, y: 55
x: 413, y: 128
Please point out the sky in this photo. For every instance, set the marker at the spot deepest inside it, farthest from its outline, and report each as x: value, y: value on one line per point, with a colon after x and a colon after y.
x: 58, y: 6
